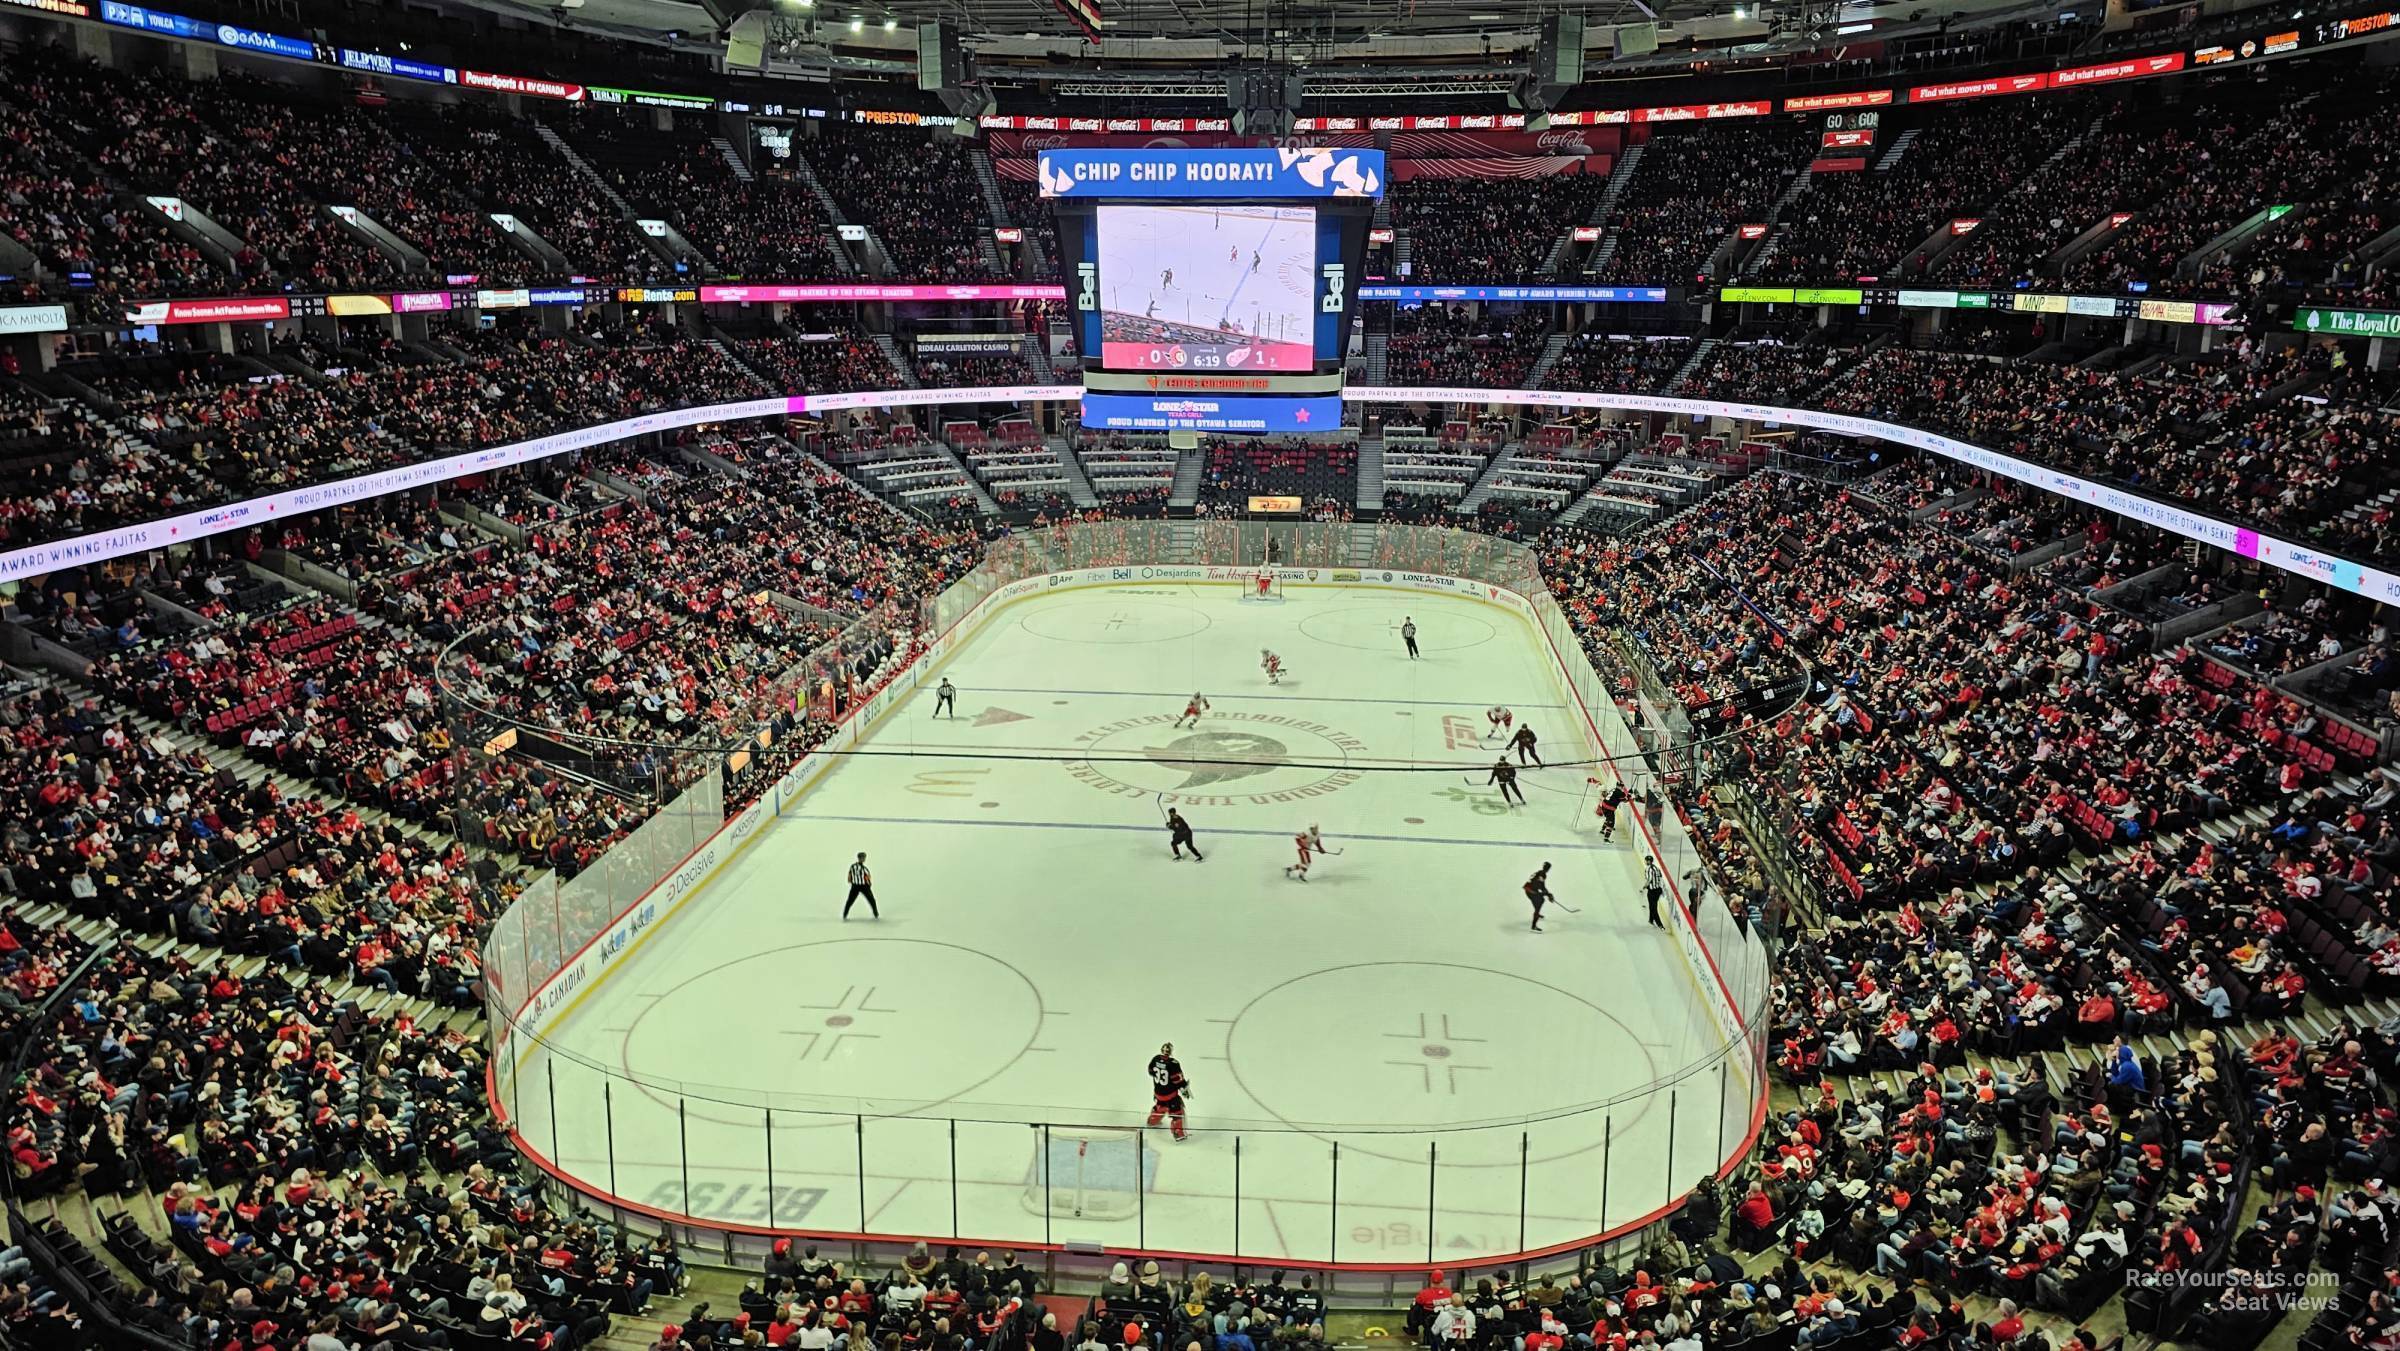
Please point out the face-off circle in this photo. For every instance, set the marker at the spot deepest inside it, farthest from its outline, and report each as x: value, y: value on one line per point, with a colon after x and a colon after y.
x: 909, y: 1023
x: 1453, y: 1043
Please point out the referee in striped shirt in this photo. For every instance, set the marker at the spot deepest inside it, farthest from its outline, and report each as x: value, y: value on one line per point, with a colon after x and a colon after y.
x: 862, y: 883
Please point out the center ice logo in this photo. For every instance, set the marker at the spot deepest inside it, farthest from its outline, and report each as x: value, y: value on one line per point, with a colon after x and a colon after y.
x: 1220, y: 757
x: 1234, y: 759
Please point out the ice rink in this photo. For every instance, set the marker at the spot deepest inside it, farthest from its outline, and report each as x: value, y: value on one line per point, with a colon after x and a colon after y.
x: 1383, y: 1059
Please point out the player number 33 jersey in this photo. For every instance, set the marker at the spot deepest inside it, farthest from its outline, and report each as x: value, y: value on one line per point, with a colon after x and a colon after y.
x: 1166, y: 1076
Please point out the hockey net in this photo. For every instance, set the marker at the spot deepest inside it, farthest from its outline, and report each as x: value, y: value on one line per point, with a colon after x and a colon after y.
x: 1264, y: 586
x: 1093, y: 1173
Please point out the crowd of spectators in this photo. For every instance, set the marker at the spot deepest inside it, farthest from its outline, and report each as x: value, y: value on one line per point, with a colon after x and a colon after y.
x: 1767, y: 370
x: 1456, y: 345
x: 270, y: 160
x: 1691, y: 190
x: 2304, y: 151
x: 1594, y: 359
x: 57, y: 205
x: 838, y: 358
x: 191, y: 428
x: 1028, y: 212
x: 1861, y: 222
x: 319, y: 1176
x: 2206, y: 436
x: 916, y: 189
x: 1471, y: 230
x: 1320, y: 473
x: 970, y: 369
x: 345, y: 155
x: 152, y: 133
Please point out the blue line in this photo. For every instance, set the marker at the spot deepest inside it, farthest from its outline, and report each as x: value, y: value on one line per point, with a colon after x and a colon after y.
x: 1269, y: 834
x: 1243, y: 282
x: 1276, y: 698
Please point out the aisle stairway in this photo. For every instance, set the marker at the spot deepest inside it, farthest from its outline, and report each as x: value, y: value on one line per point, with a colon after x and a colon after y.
x: 1370, y: 473
x: 1188, y: 466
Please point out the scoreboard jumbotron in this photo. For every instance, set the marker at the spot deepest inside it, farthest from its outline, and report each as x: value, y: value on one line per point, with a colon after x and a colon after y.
x: 1221, y: 281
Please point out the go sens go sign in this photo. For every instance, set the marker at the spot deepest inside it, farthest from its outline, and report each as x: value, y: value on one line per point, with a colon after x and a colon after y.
x: 2347, y: 323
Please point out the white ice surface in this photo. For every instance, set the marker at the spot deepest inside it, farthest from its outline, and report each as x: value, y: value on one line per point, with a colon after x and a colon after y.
x: 1037, y: 945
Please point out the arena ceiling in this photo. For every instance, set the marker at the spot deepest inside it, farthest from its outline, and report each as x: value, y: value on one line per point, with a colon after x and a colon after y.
x: 1454, y: 35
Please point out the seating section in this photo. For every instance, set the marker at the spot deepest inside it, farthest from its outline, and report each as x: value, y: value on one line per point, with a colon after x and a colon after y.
x: 175, y: 432
x: 1690, y: 191
x: 1463, y: 230
x: 1130, y: 473
x: 836, y: 358
x: 915, y: 188
x: 1767, y: 370
x: 1450, y: 345
x: 275, y: 164
x: 1594, y: 359
x: 2214, y: 440
x: 1955, y: 165
x: 1323, y: 474
x: 1025, y: 477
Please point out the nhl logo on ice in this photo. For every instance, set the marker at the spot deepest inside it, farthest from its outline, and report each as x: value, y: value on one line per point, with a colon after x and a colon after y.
x: 1230, y: 759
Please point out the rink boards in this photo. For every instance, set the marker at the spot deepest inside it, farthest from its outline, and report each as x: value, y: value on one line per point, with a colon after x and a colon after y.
x: 1544, y: 1153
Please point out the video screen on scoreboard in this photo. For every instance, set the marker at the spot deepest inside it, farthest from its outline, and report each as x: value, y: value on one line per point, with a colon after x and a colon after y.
x: 1207, y: 287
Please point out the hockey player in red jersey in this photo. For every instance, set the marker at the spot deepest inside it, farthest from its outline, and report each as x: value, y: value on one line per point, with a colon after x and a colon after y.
x: 1306, y: 843
x: 1272, y: 665
x: 1168, y: 1088
x: 1192, y: 710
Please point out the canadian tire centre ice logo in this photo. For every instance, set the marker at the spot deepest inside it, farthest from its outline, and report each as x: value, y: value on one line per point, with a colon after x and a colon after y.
x: 1219, y: 757
x: 1230, y: 759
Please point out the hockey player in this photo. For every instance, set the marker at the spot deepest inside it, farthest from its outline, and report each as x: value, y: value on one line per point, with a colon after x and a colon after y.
x: 1272, y: 665
x: 1537, y: 890
x: 1193, y: 710
x: 1168, y: 1089
x: 1522, y: 743
x: 1179, y: 837
x: 1505, y: 775
x: 1500, y: 719
x: 1615, y: 798
x: 1306, y: 844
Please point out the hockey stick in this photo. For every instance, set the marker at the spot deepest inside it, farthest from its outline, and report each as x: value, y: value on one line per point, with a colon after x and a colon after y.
x: 1564, y: 906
